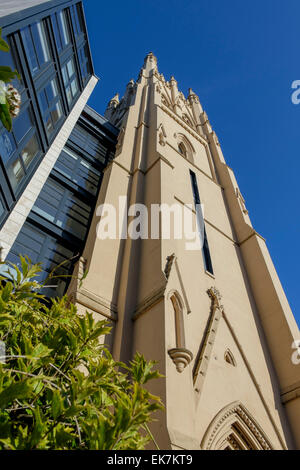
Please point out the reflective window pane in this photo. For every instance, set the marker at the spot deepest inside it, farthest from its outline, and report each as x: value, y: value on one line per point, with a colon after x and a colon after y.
x: 40, y: 43
x: 70, y: 80
x: 16, y: 173
x: 7, y: 146
x: 22, y: 125
x: 56, y: 33
x: 2, y: 209
x: 51, y: 91
x: 43, y: 248
x: 84, y: 62
x: 63, y: 26
x: 51, y: 106
x: 77, y: 19
x: 36, y: 45
x: 61, y: 207
x: 56, y: 113
x: 31, y: 54
x: 30, y: 150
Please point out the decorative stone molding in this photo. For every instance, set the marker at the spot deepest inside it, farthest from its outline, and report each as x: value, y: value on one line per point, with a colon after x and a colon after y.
x: 206, y: 346
x: 226, y: 418
x: 229, y: 358
x: 241, y: 200
x: 120, y: 139
x: 149, y: 302
x: 161, y: 135
x: 189, y: 129
x: 181, y: 358
x: 168, y: 266
x: 290, y: 393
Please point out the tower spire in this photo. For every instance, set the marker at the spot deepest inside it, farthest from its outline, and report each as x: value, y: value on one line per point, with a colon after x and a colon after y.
x: 112, y: 104
x: 150, y: 63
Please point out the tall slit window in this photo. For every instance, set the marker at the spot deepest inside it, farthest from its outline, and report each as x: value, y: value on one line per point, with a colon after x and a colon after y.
x: 205, y: 248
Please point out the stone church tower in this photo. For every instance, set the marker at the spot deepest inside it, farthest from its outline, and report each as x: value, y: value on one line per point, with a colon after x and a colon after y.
x: 216, y: 319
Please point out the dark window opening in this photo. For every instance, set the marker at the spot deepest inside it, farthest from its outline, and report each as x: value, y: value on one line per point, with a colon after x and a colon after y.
x: 205, y: 248
x: 182, y: 149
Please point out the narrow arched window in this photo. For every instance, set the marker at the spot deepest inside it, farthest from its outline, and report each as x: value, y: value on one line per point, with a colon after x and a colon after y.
x: 179, y: 327
x: 182, y: 149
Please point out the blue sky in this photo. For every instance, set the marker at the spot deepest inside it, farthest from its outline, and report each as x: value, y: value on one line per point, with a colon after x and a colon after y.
x: 241, y: 58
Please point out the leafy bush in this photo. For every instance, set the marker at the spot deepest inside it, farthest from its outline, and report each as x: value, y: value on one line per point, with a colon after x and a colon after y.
x: 59, y: 387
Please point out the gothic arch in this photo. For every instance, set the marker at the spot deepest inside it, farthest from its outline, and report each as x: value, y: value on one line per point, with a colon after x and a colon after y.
x: 179, y: 355
x: 190, y: 151
x: 233, y: 428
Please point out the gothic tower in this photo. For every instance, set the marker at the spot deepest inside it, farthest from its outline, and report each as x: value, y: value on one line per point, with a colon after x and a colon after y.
x: 216, y: 318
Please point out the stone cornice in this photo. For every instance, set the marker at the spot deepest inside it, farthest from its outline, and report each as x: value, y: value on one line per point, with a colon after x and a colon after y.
x: 290, y: 393
x: 149, y: 301
x: 95, y: 302
x: 250, y: 236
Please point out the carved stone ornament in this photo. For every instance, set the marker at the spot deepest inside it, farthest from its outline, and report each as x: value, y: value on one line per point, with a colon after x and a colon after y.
x: 214, y: 294
x: 158, y: 88
x: 181, y: 358
x: 120, y: 138
x: 241, y: 201
x: 162, y: 135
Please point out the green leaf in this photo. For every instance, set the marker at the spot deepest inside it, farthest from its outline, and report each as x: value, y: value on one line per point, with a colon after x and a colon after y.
x: 7, y: 74
x: 3, y: 45
x: 7, y: 291
x: 41, y: 351
x: 57, y: 404
x: 20, y: 390
x: 63, y: 435
x: 5, y: 117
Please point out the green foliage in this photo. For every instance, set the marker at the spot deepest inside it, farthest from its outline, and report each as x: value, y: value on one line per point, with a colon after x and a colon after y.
x: 6, y: 76
x: 3, y: 45
x: 59, y: 386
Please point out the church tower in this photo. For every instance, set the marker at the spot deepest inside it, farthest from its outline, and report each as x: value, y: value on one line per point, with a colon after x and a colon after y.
x: 215, y: 318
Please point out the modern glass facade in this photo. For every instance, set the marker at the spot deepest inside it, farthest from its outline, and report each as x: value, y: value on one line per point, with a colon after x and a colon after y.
x: 57, y: 226
x: 53, y: 58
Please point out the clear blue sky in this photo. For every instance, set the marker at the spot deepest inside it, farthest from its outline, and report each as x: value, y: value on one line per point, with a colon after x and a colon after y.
x: 240, y: 57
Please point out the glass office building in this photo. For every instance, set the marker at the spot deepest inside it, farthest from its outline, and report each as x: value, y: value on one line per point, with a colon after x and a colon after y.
x: 50, y: 49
